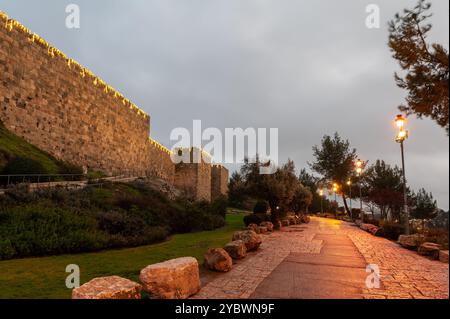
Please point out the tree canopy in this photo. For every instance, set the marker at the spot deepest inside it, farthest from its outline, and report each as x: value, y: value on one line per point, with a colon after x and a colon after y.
x: 383, y: 186
x: 425, y: 66
x: 423, y: 205
x: 334, y: 160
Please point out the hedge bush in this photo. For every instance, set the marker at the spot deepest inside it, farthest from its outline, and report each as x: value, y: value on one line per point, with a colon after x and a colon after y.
x: 58, y: 221
x: 261, y: 207
x: 391, y: 230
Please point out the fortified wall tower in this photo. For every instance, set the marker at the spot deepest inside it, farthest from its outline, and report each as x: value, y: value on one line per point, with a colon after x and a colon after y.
x: 61, y: 107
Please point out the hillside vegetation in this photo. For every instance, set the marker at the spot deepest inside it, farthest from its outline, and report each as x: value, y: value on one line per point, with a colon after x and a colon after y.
x: 111, y: 215
x: 17, y: 156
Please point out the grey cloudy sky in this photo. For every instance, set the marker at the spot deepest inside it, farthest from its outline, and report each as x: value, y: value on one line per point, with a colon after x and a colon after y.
x: 307, y: 67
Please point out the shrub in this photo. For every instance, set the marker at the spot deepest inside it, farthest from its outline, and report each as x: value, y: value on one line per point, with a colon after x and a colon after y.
x: 391, y: 230
x: 438, y: 236
x: 261, y: 207
x: 356, y: 213
x: 23, y: 166
x: 56, y: 221
x: 188, y: 217
x: 219, y: 206
x: 7, y: 251
x: 70, y: 169
x: 369, y: 220
x: 42, y: 229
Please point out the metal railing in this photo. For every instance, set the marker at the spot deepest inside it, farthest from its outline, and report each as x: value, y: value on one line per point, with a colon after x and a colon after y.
x: 13, y: 179
x: 47, y: 180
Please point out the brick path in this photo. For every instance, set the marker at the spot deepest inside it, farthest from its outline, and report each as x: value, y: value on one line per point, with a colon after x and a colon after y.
x: 327, y: 259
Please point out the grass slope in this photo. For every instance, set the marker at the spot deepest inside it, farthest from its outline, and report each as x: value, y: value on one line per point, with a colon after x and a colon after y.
x: 45, y: 277
x: 12, y: 146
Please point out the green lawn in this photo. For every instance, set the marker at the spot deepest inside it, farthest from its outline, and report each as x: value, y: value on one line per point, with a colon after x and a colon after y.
x: 45, y: 277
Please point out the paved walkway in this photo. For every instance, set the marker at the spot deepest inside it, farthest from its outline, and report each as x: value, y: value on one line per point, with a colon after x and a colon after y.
x: 328, y: 259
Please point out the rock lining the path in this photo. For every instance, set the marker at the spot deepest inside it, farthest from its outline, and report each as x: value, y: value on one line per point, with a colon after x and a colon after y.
x: 174, y: 279
x: 112, y: 287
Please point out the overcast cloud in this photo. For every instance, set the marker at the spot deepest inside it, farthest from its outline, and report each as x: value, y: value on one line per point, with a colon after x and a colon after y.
x: 307, y: 67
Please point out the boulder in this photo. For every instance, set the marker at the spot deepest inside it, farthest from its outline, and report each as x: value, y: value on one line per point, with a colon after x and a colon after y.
x: 174, y: 279
x: 285, y: 223
x: 236, y: 249
x: 430, y: 249
x: 410, y: 241
x: 443, y: 256
x: 268, y: 225
x: 217, y: 259
x: 113, y: 287
x: 305, y: 219
x: 262, y: 230
x: 251, y: 239
x: 254, y: 227
x: 369, y: 228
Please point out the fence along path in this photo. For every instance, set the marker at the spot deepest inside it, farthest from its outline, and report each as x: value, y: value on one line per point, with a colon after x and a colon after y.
x: 43, y: 183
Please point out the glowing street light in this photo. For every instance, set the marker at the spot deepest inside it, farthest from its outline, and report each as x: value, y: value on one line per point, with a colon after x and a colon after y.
x: 335, y: 190
x: 402, y: 135
x: 335, y: 187
x: 400, y: 121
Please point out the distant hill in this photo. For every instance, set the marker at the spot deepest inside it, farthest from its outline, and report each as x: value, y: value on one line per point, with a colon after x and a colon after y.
x: 17, y: 156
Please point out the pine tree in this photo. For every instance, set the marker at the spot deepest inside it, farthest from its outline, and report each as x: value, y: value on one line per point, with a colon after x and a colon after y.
x: 425, y: 66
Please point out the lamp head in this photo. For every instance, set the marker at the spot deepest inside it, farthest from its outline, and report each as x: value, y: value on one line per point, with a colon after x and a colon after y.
x: 401, y: 136
x: 400, y: 121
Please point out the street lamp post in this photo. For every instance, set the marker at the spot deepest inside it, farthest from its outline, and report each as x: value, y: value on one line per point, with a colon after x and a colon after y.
x: 335, y: 190
x: 359, y: 168
x: 321, y: 200
x: 402, y: 135
x: 349, y: 183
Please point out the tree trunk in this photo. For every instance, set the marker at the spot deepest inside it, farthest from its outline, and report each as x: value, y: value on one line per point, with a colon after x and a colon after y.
x: 346, y: 206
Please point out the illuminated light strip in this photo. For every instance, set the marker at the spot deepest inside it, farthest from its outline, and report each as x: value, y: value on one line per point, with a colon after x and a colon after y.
x: 160, y: 146
x: 11, y: 24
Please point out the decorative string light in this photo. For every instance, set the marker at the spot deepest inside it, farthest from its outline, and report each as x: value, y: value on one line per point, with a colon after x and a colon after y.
x: 160, y: 146
x: 11, y: 24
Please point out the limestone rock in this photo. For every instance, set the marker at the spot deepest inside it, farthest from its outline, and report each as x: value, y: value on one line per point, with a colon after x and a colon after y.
x: 369, y: 228
x: 113, y: 287
x: 262, y: 230
x: 430, y: 250
x: 254, y: 227
x: 443, y: 256
x: 305, y: 219
x: 174, y: 279
x: 269, y: 226
x: 236, y: 249
x: 217, y: 259
x: 251, y: 239
x: 410, y: 241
